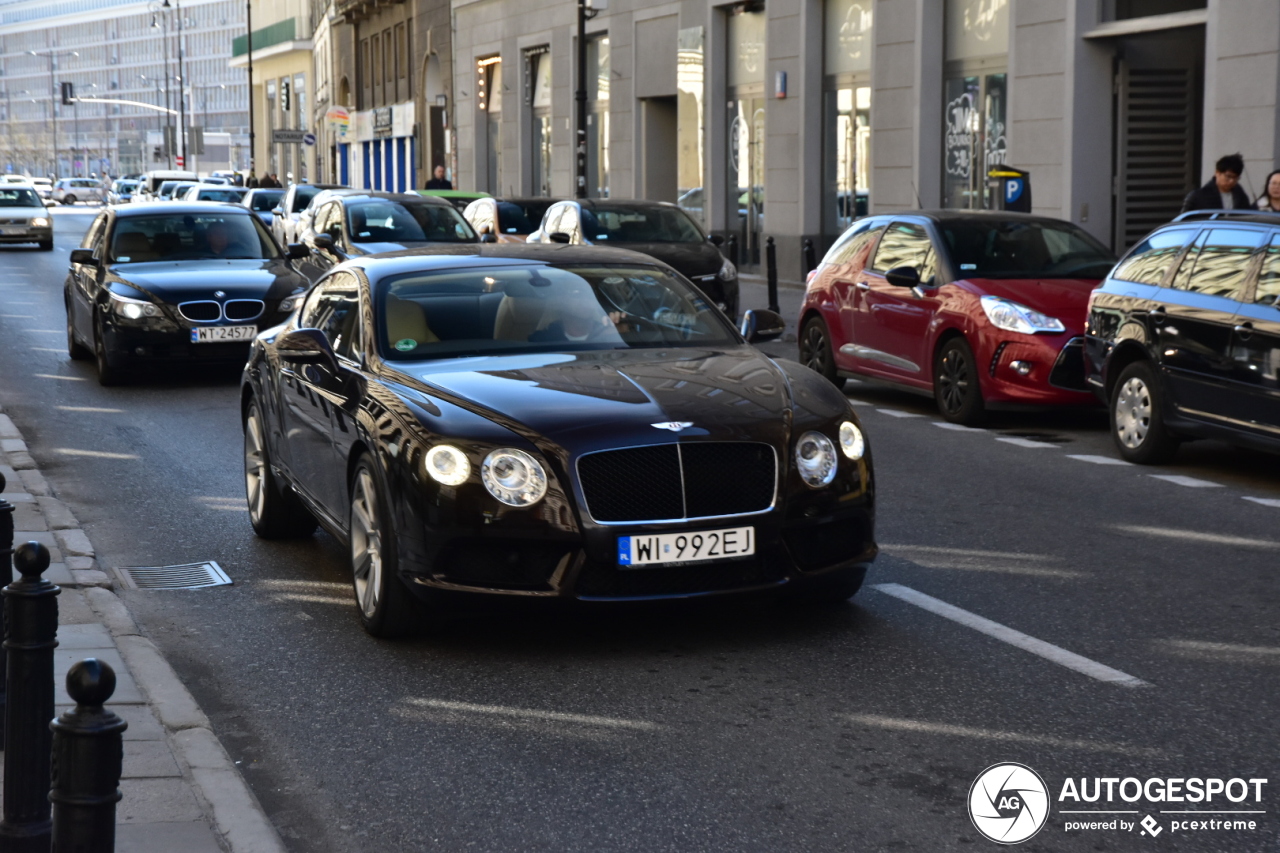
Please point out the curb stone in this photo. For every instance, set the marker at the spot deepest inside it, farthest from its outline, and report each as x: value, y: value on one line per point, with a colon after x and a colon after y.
x: 237, y: 818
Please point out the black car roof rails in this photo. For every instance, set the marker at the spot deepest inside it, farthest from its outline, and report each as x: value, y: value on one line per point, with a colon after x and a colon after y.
x: 1267, y: 216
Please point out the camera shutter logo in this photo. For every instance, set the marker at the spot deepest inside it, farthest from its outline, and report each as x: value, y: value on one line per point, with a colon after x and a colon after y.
x: 1008, y: 803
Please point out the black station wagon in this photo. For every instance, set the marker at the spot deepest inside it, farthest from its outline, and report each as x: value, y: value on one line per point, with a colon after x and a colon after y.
x: 1183, y: 337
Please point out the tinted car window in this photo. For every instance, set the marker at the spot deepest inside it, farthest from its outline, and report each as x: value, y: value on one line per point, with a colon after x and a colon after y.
x: 190, y: 237
x: 1268, y: 292
x: 95, y: 231
x: 228, y: 195
x: 1218, y: 263
x: 619, y: 224
x: 19, y: 198
x: 1150, y: 260
x: 302, y: 197
x: 982, y: 247
x: 393, y: 222
x: 521, y: 218
x: 264, y: 201
x: 490, y: 310
x: 335, y: 310
x: 906, y: 244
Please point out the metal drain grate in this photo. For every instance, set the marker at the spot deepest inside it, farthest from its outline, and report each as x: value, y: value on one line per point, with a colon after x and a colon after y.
x: 190, y: 576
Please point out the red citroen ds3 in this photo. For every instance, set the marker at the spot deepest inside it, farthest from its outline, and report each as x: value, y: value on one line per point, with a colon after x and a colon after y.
x: 980, y: 308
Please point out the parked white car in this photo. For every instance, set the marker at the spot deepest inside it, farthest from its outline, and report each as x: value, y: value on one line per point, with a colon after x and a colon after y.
x: 72, y: 190
x: 44, y: 187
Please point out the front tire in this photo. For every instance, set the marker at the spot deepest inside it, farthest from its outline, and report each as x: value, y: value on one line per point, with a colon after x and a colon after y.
x: 274, y: 512
x: 815, y: 351
x: 387, y: 609
x: 108, y: 374
x: 956, y: 386
x: 1137, y: 417
x: 75, y: 349
x: 69, y: 199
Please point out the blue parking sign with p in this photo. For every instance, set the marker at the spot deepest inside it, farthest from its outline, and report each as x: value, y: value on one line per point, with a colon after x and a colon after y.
x: 1012, y: 189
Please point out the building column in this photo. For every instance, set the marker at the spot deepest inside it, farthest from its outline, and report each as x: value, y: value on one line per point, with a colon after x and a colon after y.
x: 1241, y: 88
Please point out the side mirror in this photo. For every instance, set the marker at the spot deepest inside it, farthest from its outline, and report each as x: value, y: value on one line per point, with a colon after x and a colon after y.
x: 277, y: 211
x: 903, y: 277
x: 296, y: 251
x: 86, y: 257
x: 761, y: 324
x: 323, y: 242
x: 305, y: 346
x: 486, y: 237
x: 559, y: 237
x: 715, y: 239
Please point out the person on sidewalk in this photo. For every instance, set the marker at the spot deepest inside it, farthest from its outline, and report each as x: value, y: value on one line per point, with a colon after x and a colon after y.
x: 1270, y: 198
x: 1223, y: 191
x: 439, y: 181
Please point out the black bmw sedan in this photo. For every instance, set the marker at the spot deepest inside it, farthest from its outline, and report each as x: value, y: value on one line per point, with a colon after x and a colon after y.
x: 169, y: 282
x: 659, y: 229
x: 553, y: 421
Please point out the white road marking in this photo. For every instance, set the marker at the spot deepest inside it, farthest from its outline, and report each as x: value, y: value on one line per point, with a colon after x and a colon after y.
x: 95, y: 409
x: 532, y: 714
x: 957, y: 427
x: 62, y: 351
x: 1265, y: 501
x: 966, y: 552
x: 1196, y: 536
x: 1099, y: 460
x: 17, y: 316
x: 299, y: 598
x: 97, y: 454
x: 54, y: 376
x: 1189, y: 482
x: 321, y: 585
x: 894, y: 413
x: 1222, y: 652
x: 896, y: 724
x: 1048, y: 651
x: 1023, y: 442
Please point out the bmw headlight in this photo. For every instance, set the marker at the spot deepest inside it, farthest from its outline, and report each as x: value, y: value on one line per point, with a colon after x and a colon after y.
x: 133, y: 309
x: 40, y: 222
x: 728, y: 271
x: 1012, y: 317
x: 816, y: 459
x: 514, y: 477
x: 448, y: 465
x: 852, y: 442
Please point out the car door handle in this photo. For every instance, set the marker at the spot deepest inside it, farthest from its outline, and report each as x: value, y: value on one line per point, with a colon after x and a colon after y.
x: 1158, y: 313
x: 1244, y: 330
x: 862, y: 285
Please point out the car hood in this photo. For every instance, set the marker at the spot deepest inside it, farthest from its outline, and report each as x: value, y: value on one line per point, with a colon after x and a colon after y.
x: 591, y: 400
x: 1064, y: 298
x: 689, y: 259
x: 178, y: 281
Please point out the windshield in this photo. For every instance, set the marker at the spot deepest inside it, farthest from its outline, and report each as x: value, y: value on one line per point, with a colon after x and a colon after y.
x: 497, y: 310
x: 302, y: 197
x: 191, y: 237
x: 982, y: 248
x: 228, y: 194
x: 19, y: 198
x: 393, y: 222
x: 265, y: 200
x: 521, y: 217
x: 617, y: 224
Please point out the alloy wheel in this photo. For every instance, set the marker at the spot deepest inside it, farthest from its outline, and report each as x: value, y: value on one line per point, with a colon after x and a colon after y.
x: 954, y: 380
x: 366, y: 543
x: 814, y: 353
x: 1133, y: 413
x: 255, y: 466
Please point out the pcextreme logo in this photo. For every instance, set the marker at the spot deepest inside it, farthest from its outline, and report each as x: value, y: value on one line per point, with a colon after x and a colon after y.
x: 1008, y: 803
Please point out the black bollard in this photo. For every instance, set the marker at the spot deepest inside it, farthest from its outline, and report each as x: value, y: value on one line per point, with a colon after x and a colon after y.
x: 6, y: 578
x: 731, y: 248
x: 771, y: 267
x: 88, y: 750
x: 31, y: 608
x: 810, y: 256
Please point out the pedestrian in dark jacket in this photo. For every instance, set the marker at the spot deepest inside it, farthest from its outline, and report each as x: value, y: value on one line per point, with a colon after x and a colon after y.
x: 1223, y: 192
x: 439, y: 181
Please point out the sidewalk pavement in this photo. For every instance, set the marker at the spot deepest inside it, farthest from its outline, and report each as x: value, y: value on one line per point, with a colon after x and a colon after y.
x: 182, y: 792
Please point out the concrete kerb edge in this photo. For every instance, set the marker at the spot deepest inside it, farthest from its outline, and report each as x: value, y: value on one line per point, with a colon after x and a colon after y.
x: 238, y: 818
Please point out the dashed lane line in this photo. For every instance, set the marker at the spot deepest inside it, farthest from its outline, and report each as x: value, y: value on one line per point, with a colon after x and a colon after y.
x: 1264, y: 501
x: 956, y: 427
x: 894, y: 413
x: 1004, y: 633
x: 1023, y: 442
x: 1189, y: 482
x: 1098, y: 460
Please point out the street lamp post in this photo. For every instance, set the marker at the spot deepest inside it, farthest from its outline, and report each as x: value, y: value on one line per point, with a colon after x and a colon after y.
x: 587, y: 9
x: 248, y: 28
x: 52, y: 56
x: 182, y: 84
x: 160, y: 20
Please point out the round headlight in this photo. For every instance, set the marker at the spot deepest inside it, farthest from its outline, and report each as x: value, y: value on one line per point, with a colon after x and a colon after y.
x: 514, y: 477
x: 816, y: 459
x: 852, y: 444
x: 132, y: 310
x: 447, y: 464
x: 39, y: 222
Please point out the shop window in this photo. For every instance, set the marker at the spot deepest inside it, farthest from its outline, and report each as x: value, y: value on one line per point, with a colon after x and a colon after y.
x: 690, y: 91
x: 598, y: 85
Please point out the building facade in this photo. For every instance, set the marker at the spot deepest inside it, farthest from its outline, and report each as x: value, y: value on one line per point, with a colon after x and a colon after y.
x: 788, y: 118
x: 120, y: 51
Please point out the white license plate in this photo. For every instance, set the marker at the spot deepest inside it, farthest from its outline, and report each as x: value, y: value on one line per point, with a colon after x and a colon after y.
x: 13, y: 229
x: 222, y: 334
x: 689, y: 547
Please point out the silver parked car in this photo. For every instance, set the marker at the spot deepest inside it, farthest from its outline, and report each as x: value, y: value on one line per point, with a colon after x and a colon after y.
x: 23, y: 217
x: 72, y: 190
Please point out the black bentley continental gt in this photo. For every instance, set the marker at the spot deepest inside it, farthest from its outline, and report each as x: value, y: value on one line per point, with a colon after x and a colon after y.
x: 176, y: 282
x: 555, y: 421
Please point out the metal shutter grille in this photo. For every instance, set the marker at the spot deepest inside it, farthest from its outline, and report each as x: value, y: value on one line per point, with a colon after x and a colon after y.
x: 1157, y: 149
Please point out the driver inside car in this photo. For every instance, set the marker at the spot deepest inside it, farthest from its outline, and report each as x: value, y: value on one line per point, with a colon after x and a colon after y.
x: 578, y: 319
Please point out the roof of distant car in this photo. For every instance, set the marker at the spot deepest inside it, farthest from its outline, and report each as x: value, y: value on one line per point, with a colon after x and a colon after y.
x: 457, y: 256
x: 178, y: 208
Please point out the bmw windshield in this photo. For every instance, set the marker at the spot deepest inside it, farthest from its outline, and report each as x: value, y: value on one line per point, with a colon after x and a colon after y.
x: 190, y: 237
x: 982, y: 247
x: 505, y: 309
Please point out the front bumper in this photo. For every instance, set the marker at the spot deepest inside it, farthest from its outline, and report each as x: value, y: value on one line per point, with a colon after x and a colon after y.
x: 1054, y: 365
x: 138, y: 346
x: 20, y: 234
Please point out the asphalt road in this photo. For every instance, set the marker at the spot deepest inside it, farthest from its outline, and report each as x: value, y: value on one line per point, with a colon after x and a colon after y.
x: 743, y: 726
